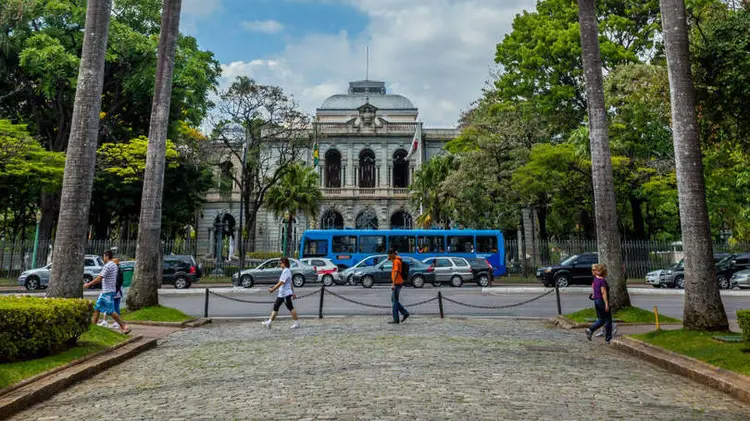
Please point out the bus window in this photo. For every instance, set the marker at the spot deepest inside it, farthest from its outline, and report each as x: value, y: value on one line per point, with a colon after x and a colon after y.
x: 344, y: 244
x: 461, y: 244
x: 315, y: 248
x: 431, y: 244
x: 402, y: 243
x: 372, y: 244
x: 486, y: 244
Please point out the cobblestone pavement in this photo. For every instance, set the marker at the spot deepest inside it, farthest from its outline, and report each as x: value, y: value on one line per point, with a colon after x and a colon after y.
x: 362, y: 368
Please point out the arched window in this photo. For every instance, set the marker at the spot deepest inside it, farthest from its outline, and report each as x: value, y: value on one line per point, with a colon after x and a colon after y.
x: 332, y: 220
x: 333, y: 168
x: 367, y: 168
x: 400, y: 169
x: 402, y: 220
x: 367, y: 219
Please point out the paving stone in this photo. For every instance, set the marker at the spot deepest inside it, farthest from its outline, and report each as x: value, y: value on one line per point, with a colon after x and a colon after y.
x: 362, y: 368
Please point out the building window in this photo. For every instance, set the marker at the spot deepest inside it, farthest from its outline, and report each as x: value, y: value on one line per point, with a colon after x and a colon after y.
x: 400, y: 169
x: 332, y: 220
x: 367, y: 219
x: 226, y: 179
x: 402, y: 220
x: 333, y: 169
x: 367, y: 169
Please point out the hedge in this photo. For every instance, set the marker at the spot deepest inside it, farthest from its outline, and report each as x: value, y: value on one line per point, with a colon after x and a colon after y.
x: 31, y: 327
x: 743, y: 318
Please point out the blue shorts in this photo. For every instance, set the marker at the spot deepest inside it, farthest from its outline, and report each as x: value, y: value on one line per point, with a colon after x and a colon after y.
x: 105, y: 303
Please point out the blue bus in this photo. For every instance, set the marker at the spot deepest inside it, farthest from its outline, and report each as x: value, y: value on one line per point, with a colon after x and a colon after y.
x: 348, y: 246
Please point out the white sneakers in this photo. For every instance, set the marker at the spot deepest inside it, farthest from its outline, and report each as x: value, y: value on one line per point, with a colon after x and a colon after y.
x: 267, y: 324
x: 601, y: 331
x: 294, y: 325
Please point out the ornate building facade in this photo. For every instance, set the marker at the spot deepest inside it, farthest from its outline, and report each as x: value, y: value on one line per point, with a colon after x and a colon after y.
x: 364, y: 139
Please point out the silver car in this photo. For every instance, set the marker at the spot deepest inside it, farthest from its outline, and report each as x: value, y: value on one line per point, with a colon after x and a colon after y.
x: 455, y: 270
x: 34, y: 279
x: 741, y: 279
x: 269, y: 272
x: 346, y: 275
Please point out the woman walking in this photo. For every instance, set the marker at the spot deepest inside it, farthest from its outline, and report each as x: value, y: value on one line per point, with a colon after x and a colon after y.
x: 285, y: 296
x: 600, y: 295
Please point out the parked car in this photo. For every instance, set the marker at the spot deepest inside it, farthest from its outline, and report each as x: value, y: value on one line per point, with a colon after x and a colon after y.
x: 730, y: 265
x: 269, y: 272
x: 346, y: 276
x: 34, y: 279
x: 482, y: 271
x: 674, y: 277
x: 575, y: 269
x: 455, y: 270
x: 419, y: 273
x: 180, y: 271
x: 325, y: 268
x: 741, y: 279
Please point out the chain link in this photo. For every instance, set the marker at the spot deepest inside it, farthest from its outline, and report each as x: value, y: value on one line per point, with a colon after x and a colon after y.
x: 499, y: 307
x: 240, y: 300
x: 429, y: 300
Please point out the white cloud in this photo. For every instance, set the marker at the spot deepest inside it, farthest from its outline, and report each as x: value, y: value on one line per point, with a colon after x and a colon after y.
x: 264, y: 26
x: 438, y: 53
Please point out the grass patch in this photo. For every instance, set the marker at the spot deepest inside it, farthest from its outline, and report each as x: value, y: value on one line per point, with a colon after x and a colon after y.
x: 516, y: 279
x: 627, y: 315
x: 155, y: 314
x: 701, y: 346
x: 8, y: 282
x: 96, y: 339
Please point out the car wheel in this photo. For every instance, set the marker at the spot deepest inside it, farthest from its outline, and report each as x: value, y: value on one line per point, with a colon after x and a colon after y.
x: 679, y: 282
x: 456, y: 281
x: 32, y: 283
x: 724, y: 282
x: 328, y: 280
x: 562, y: 281
x: 246, y: 281
x: 181, y: 282
x: 484, y: 280
x: 368, y: 281
x: 298, y: 280
x: 417, y: 281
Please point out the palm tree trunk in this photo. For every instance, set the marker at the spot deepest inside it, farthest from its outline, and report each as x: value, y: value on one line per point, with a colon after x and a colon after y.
x: 67, y: 272
x: 703, y: 307
x: 605, y: 206
x: 148, y: 268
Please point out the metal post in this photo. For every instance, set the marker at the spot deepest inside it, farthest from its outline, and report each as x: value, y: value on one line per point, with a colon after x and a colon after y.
x: 205, y: 307
x: 656, y: 317
x: 557, y: 293
x: 440, y: 303
x: 320, y: 309
x: 36, y: 242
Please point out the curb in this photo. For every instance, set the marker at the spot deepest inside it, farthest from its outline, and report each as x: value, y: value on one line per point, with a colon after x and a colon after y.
x: 586, y: 290
x: 46, y: 385
x: 197, y: 322
x: 734, y: 384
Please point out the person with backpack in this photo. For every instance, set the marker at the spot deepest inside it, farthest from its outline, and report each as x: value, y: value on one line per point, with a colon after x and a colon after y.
x: 106, y: 301
x: 399, y: 273
x: 600, y: 296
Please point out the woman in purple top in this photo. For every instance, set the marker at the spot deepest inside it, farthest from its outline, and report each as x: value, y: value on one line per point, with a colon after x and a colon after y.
x: 600, y: 295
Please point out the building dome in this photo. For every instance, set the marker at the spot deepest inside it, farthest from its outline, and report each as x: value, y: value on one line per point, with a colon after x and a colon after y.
x: 367, y: 91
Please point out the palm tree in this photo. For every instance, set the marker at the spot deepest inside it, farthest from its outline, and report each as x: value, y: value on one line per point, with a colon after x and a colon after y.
x: 703, y: 307
x: 148, y: 267
x: 66, y: 276
x: 297, y: 192
x: 426, y: 190
x: 605, y: 206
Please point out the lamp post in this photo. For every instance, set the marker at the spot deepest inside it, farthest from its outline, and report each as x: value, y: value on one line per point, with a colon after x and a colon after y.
x: 219, y: 238
x: 36, y: 239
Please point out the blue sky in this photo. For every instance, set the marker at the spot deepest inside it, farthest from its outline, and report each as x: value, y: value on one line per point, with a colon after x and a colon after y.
x: 439, y: 53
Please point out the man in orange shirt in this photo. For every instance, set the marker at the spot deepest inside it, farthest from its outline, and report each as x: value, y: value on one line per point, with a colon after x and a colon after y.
x: 397, y: 277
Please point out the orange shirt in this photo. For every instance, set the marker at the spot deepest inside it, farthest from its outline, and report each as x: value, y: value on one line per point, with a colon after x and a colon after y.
x: 396, y: 276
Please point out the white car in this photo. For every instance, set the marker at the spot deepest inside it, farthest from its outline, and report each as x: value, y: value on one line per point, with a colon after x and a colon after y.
x: 325, y: 268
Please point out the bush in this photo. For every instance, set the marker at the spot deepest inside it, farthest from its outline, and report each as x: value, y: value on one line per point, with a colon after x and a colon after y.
x: 31, y: 327
x: 743, y: 318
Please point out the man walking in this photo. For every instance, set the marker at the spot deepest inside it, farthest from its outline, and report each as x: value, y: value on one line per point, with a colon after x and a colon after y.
x: 397, y: 279
x: 106, y: 301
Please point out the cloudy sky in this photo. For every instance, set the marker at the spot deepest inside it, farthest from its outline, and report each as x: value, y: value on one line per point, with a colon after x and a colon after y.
x: 438, y: 53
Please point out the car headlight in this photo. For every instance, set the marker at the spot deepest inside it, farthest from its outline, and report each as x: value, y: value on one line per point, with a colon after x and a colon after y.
x: 669, y: 272
x: 547, y: 270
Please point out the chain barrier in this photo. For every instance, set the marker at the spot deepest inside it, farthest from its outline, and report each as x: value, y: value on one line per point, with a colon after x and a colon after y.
x: 377, y: 305
x: 240, y: 300
x: 499, y: 307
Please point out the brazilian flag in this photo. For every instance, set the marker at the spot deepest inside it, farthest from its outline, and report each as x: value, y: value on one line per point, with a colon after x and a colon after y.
x: 316, y: 155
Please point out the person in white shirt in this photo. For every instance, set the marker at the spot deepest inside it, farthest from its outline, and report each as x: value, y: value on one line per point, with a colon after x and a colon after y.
x: 286, y: 295
x: 106, y: 301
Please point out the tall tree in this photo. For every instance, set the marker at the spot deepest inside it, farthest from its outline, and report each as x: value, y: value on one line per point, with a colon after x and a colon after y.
x: 144, y: 290
x: 296, y: 193
x: 703, y: 307
x: 65, y: 279
x: 605, y: 204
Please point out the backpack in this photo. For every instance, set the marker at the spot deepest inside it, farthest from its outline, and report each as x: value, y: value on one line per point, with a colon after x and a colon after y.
x: 404, y: 269
x: 120, y: 279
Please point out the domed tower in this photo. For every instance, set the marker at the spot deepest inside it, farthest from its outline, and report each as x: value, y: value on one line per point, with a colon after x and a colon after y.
x: 369, y: 101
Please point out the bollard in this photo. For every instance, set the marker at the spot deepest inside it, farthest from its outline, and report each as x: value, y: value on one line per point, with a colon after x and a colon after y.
x: 656, y: 316
x: 205, y: 306
x: 320, y: 309
x: 557, y: 293
x: 440, y: 303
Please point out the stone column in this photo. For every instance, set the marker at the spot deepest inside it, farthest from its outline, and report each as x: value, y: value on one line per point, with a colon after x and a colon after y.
x: 211, y: 245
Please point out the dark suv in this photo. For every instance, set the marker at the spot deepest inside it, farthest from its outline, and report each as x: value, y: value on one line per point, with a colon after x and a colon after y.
x: 728, y: 266
x: 181, y: 271
x: 575, y: 269
x: 482, y: 271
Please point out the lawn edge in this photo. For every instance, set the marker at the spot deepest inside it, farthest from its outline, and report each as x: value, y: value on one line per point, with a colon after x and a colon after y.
x: 567, y: 323
x: 734, y: 384
x: 196, y: 322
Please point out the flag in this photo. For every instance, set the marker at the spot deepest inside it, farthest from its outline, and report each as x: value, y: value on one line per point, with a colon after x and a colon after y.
x: 316, y: 155
x: 415, y: 142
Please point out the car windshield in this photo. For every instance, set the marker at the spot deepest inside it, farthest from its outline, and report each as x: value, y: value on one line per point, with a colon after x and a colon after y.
x: 569, y: 260
x: 725, y: 261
